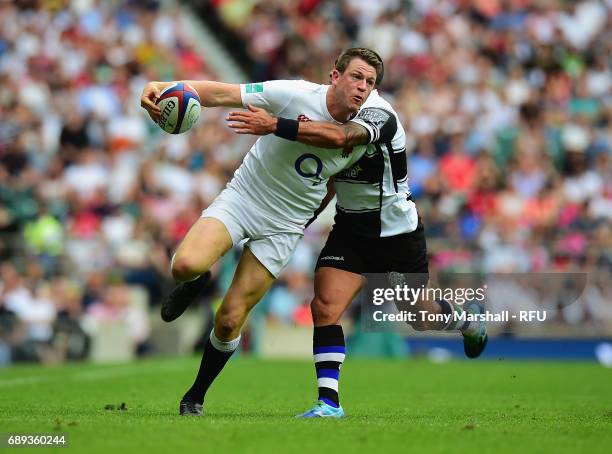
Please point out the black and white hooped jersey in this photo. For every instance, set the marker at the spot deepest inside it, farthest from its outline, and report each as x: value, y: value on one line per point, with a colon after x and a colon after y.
x: 373, y: 196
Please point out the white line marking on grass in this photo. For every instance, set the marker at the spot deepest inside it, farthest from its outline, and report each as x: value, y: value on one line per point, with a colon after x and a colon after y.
x: 128, y: 369
x: 19, y: 381
x: 104, y: 372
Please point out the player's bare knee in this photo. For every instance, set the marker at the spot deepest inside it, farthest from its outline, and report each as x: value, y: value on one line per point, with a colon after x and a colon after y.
x: 185, y: 268
x: 323, y: 311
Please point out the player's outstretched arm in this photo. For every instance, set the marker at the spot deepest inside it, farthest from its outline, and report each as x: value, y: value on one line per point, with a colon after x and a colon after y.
x: 317, y: 133
x: 211, y: 93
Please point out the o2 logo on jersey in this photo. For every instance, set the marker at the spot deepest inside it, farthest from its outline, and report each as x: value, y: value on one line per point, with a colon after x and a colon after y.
x: 309, y: 166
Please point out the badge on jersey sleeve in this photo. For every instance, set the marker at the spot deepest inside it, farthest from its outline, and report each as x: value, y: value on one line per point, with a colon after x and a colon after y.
x: 373, y: 116
x: 381, y: 123
x: 254, y: 88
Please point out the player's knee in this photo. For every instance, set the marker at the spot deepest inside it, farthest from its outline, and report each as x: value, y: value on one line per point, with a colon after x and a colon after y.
x: 185, y: 268
x: 323, y: 311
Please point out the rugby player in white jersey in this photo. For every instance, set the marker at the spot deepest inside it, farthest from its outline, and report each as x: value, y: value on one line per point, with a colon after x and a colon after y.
x: 272, y: 196
x: 377, y: 230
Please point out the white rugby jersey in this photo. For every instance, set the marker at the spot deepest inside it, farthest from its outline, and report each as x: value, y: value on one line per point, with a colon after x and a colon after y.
x: 285, y: 178
x: 373, y: 196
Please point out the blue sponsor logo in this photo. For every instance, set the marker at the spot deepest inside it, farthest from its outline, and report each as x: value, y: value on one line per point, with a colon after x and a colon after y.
x: 309, y: 166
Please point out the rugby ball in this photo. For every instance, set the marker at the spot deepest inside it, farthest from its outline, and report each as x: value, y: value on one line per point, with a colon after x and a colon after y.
x: 180, y: 108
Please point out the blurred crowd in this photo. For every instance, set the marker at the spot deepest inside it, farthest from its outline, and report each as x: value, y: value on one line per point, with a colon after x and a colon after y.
x: 93, y: 196
x: 507, y: 106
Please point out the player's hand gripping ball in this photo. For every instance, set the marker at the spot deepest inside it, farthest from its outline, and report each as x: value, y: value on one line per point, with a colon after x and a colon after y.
x: 180, y: 108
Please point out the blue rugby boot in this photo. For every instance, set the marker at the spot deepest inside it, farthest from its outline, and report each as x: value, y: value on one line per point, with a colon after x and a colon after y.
x: 475, y: 341
x: 322, y: 410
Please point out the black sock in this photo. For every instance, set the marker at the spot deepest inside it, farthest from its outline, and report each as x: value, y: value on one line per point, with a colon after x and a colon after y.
x: 329, y: 349
x: 216, y: 354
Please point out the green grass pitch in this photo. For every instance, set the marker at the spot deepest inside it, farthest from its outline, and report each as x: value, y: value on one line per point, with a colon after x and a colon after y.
x: 392, y: 406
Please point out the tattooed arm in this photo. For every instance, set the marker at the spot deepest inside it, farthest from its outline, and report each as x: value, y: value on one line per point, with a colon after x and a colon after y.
x: 321, y: 134
x: 329, y: 135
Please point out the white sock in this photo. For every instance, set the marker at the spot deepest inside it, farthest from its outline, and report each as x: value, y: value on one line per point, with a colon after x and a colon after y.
x: 222, y: 346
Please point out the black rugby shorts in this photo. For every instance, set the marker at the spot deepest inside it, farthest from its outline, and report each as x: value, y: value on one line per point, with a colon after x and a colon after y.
x: 405, y: 253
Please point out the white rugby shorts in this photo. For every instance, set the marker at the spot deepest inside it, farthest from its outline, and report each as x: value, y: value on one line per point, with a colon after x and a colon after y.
x: 272, y: 243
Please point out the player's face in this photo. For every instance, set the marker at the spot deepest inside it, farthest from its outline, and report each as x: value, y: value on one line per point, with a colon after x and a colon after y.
x: 355, y: 84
